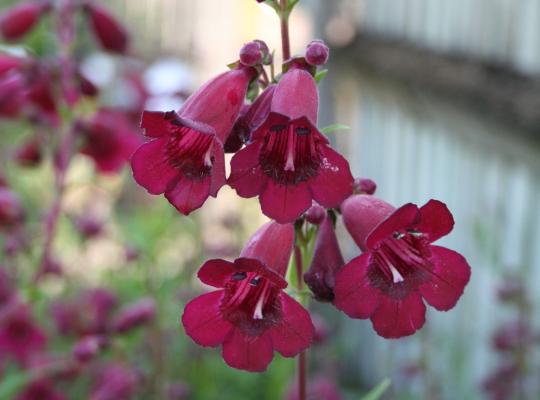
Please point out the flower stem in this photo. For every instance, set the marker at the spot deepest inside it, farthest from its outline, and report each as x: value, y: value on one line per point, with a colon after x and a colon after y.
x: 285, y: 41
x: 298, y: 263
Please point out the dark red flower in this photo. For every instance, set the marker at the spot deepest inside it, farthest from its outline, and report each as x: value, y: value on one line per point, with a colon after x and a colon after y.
x: 318, y: 388
x: 289, y: 162
x: 7, y: 289
x: 12, y: 93
x: 327, y: 260
x: 399, y: 266
x: 41, y: 389
x: 21, y: 18
x: 19, y: 335
x: 251, y: 315
x: 110, y: 33
x: 114, y: 382
x: 109, y: 139
x: 88, y: 347
x: 11, y: 210
x: 29, y: 154
x: 185, y: 159
x: 134, y: 315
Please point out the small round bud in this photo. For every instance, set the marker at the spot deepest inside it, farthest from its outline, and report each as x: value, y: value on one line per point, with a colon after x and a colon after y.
x: 317, y: 53
x: 265, y: 52
x: 315, y: 215
x: 86, y: 348
x: 364, y: 186
x: 250, y: 54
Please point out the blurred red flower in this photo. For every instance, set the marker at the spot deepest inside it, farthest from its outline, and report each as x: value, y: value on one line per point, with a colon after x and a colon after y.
x: 109, y: 32
x: 400, y: 266
x: 17, y: 20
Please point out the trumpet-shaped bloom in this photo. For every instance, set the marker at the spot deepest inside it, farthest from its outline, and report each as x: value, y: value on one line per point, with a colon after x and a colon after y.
x: 250, y: 315
x: 400, y: 268
x: 288, y: 162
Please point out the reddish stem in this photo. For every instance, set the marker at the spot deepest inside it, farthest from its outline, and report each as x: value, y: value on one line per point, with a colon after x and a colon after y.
x: 285, y: 41
x: 302, y: 356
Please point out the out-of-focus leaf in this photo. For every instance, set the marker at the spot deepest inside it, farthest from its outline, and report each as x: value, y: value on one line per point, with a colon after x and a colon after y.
x: 334, y: 127
x: 377, y: 391
x: 12, y: 384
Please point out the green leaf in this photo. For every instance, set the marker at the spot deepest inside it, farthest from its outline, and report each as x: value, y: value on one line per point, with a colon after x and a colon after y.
x: 334, y: 127
x: 377, y: 391
x: 320, y: 75
x: 12, y: 384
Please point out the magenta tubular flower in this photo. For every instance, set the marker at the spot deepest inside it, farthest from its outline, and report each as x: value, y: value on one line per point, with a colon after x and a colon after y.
x: 289, y: 162
x: 11, y: 211
x: 109, y: 32
x: 110, y: 140
x: 41, y: 389
x: 185, y: 159
x: 114, y: 382
x: 134, y: 315
x: 327, y: 260
x: 399, y: 267
x: 19, y: 335
x: 251, y: 315
x: 21, y: 18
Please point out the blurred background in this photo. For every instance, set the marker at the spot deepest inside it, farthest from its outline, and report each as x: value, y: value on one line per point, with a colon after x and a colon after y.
x: 443, y: 101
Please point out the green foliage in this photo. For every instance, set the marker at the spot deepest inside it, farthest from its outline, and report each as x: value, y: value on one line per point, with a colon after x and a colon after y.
x: 377, y: 392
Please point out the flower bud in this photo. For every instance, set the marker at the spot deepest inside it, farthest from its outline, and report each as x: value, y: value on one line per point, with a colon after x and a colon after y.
x: 108, y: 31
x: 87, y: 348
x: 29, y: 154
x: 11, y: 211
x: 88, y: 226
x: 250, y: 54
x: 315, y: 214
x: 361, y: 214
x: 327, y: 260
x: 135, y: 314
x: 20, y: 19
x: 364, y: 186
x: 317, y: 53
x: 265, y: 52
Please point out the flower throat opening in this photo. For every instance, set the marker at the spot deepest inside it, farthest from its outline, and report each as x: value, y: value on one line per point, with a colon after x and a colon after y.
x: 191, y: 152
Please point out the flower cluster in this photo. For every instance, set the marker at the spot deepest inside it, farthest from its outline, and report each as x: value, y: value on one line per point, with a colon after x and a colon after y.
x: 302, y: 184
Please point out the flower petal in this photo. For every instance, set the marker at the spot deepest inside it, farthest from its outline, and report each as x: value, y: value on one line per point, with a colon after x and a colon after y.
x: 189, y: 194
x: 354, y: 294
x: 203, y: 322
x: 250, y: 353
x: 157, y: 124
x: 246, y: 175
x: 334, y: 182
x: 450, y: 275
x: 150, y: 168
x: 216, y: 272
x: 404, y: 217
x: 436, y: 220
x: 296, y: 330
x: 398, y: 317
x: 285, y: 203
x: 218, y: 168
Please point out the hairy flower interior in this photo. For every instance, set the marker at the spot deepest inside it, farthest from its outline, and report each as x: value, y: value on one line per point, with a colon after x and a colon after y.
x: 290, y: 154
x: 191, y: 152
x: 250, y: 302
x: 402, y: 259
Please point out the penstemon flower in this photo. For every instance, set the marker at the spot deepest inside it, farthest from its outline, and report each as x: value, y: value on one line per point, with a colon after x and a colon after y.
x: 399, y: 268
x: 288, y: 162
x: 251, y: 316
x: 185, y: 158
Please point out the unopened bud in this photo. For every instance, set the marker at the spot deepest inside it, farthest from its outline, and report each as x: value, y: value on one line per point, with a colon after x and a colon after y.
x: 315, y: 214
x: 134, y: 315
x: 364, y: 186
x: 250, y: 54
x: 317, y: 53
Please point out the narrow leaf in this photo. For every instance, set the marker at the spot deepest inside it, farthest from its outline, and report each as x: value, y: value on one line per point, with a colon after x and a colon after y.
x: 334, y: 127
x: 377, y: 391
x: 320, y: 75
x: 12, y: 384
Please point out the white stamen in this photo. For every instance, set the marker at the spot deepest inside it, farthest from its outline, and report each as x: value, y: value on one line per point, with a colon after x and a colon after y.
x: 208, y: 157
x: 396, y: 276
x: 289, y: 165
x: 257, y: 314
